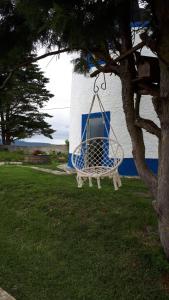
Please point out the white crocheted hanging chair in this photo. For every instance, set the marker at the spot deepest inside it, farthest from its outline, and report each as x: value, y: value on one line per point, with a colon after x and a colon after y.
x: 98, y: 157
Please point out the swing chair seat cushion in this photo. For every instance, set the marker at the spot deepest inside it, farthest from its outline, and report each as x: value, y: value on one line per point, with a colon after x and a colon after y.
x: 97, y: 157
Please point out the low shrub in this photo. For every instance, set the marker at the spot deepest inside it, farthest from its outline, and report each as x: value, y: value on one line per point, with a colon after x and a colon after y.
x: 8, y: 156
x: 38, y: 152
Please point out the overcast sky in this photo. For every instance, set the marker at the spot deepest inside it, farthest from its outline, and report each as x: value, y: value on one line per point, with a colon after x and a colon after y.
x: 59, y: 72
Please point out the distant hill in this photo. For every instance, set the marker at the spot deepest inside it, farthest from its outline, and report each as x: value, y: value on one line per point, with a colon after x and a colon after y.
x: 29, y: 144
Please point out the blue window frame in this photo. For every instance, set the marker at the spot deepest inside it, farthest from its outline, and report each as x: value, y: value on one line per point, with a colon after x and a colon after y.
x: 93, y: 116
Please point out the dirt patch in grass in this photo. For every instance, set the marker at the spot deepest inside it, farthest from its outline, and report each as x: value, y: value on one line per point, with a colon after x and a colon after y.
x: 143, y: 194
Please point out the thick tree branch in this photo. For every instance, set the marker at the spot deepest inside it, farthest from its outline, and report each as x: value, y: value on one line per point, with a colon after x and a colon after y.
x: 106, y: 69
x: 157, y: 106
x: 29, y: 61
x: 146, y: 124
x: 6, y: 80
x: 149, y: 42
x: 146, y: 88
x: 137, y: 105
x: 109, y: 68
x: 149, y: 126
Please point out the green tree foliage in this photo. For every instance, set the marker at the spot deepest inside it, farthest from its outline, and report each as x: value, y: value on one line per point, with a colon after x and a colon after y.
x: 20, y: 104
x: 88, y: 26
x: 15, y: 34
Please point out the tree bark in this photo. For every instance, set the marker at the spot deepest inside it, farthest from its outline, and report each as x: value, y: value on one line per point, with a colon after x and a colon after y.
x: 7, y: 138
x: 162, y: 204
x: 7, y: 129
x: 136, y: 133
x: 2, y: 128
x: 127, y: 74
x: 161, y: 17
x: 149, y: 126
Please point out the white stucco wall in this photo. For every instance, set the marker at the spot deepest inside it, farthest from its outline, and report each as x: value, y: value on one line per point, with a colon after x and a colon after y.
x: 81, y: 97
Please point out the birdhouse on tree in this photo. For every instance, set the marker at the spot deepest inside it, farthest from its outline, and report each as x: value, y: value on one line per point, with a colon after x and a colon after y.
x: 148, y: 75
x: 148, y: 69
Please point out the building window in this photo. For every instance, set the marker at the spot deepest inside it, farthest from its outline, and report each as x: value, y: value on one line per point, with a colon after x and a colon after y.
x: 95, y: 128
x: 98, y: 126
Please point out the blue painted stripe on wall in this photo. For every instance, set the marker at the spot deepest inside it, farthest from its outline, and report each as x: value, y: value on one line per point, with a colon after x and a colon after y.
x: 128, y: 168
x: 91, y: 64
x: 140, y: 24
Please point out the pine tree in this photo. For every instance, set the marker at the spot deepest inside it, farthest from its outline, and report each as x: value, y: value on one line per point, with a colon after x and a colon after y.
x: 20, y: 104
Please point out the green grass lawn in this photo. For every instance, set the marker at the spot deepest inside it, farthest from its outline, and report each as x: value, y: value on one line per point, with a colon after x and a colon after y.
x: 60, y: 242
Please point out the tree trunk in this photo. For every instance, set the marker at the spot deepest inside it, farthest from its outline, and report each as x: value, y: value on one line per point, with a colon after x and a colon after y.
x: 5, y: 133
x: 136, y: 134
x: 7, y: 128
x: 2, y: 128
x: 127, y: 74
x: 162, y: 205
x: 7, y: 138
x: 161, y: 18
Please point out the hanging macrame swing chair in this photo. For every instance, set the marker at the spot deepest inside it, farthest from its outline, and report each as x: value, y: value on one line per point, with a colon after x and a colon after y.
x: 98, y: 157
